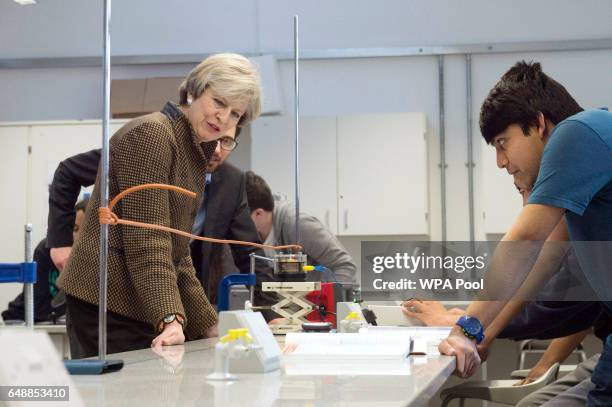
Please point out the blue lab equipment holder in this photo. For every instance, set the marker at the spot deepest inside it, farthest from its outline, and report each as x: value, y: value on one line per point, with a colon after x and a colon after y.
x: 18, y: 272
x: 26, y: 273
x: 225, y: 285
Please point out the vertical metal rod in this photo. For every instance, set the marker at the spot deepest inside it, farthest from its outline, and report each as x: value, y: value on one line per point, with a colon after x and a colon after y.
x: 470, y: 151
x: 28, y: 295
x: 252, y: 288
x: 296, y: 56
x: 104, y: 187
x: 442, y: 144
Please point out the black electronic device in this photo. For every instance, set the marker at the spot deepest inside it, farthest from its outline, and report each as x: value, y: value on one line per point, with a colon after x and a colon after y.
x: 317, y: 326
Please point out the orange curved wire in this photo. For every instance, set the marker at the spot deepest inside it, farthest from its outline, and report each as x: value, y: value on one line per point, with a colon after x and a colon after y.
x: 107, y: 216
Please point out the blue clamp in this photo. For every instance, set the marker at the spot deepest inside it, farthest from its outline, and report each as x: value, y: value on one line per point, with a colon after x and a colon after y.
x: 225, y: 285
x: 18, y: 272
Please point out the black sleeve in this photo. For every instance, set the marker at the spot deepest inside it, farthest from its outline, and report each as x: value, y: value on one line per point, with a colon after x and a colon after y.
x: 548, y: 319
x: 71, y: 174
x: 42, y: 296
x: 603, y: 326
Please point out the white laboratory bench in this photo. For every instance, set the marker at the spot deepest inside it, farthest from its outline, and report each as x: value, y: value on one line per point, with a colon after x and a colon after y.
x: 59, y: 337
x: 57, y: 334
x: 178, y: 378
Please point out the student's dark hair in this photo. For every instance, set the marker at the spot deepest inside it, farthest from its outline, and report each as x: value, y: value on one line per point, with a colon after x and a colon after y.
x: 258, y: 193
x: 519, y: 96
x: 81, y: 205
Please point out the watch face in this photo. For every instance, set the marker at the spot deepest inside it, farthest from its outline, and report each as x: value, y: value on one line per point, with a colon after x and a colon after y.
x: 169, y: 318
x: 471, y: 325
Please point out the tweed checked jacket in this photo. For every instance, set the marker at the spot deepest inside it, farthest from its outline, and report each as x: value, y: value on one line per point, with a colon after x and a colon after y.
x: 150, y: 273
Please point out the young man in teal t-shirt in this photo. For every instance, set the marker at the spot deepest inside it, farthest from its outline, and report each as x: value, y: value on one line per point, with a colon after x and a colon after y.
x: 545, y: 140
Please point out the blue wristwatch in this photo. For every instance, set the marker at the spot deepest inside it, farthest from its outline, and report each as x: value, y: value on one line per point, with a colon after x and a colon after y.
x: 472, y: 328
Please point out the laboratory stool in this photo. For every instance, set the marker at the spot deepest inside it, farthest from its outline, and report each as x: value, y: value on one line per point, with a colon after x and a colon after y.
x: 498, y: 391
x: 530, y: 346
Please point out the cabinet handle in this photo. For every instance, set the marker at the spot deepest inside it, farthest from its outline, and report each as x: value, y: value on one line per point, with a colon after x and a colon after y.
x: 327, y: 218
x: 345, y: 219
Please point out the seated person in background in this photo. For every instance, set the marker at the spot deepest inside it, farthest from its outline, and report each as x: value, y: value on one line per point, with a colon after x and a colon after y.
x: 49, y: 302
x: 568, y: 322
x: 527, y: 325
x: 545, y: 318
x: 275, y: 222
x: 572, y: 389
x: 532, y: 323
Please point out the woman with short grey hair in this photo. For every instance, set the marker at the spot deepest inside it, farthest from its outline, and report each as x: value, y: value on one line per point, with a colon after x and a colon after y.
x: 154, y: 297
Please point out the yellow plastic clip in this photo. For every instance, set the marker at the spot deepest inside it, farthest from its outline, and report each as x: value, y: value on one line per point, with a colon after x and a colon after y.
x: 244, y: 333
x: 308, y: 268
x: 352, y: 315
x: 235, y: 334
x: 231, y: 336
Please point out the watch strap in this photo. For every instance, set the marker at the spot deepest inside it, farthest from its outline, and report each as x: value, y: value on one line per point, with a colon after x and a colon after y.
x: 176, y: 317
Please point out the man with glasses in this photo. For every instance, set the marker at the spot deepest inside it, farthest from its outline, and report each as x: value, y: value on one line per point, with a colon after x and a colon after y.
x: 224, y: 213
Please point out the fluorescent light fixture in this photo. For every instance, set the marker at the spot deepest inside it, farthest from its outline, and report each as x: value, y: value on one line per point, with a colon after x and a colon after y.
x: 25, y: 2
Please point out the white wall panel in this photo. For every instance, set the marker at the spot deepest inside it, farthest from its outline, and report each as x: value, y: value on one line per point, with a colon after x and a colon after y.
x: 13, y: 205
x: 399, y: 23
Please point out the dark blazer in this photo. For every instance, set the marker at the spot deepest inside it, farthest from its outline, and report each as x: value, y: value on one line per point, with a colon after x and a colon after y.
x: 227, y: 217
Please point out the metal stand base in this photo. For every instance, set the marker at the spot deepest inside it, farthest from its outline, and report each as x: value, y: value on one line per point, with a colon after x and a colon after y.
x: 92, y: 366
